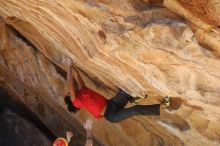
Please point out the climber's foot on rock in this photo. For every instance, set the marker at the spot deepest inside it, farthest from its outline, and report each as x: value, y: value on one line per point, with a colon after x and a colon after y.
x: 171, y: 103
x: 137, y: 100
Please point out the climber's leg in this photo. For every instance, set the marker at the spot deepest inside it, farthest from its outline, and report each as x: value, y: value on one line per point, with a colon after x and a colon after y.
x: 121, y: 99
x: 115, y: 114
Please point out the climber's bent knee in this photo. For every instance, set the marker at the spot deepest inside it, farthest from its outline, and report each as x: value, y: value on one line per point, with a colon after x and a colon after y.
x: 110, y: 112
x: 112, y: 119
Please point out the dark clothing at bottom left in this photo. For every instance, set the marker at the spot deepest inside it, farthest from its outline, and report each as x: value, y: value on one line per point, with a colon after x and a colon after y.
x: 115, y: 111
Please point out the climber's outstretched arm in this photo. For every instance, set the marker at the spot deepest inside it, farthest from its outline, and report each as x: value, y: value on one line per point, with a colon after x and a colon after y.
x: 79, y: 80
x: 70, y: 79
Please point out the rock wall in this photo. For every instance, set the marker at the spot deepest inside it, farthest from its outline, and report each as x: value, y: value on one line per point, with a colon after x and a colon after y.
x: 139, y: 46
x: 30, y: 79
x: 203, y: 17
x: 21, y: 132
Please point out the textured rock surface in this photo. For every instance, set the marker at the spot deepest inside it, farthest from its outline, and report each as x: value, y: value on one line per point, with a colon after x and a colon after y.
x: 129, y: 44
x: 204, y: 18
x: 24, y: 73
x: 21, y: 132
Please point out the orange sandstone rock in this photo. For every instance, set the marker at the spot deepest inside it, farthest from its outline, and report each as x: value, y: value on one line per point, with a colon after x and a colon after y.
x: 131, y: 45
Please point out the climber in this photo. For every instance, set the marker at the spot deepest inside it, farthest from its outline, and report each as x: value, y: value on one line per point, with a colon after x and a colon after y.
x: 112, y: 110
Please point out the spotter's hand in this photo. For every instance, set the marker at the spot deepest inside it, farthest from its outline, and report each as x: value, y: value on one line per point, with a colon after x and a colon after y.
x: 88, y: 124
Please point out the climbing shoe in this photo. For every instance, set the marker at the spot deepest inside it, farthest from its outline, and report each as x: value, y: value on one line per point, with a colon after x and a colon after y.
x: 166, y: 101
x: 137, y: 100
x: 171, y: 103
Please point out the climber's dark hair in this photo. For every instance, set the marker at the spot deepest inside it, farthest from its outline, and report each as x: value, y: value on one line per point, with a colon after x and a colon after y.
x: 70, y: 106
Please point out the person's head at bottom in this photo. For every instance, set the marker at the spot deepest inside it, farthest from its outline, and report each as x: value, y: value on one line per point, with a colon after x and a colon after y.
x: 60, y: 142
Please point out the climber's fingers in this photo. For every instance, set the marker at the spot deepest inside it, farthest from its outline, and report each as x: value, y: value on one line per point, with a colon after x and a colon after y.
x: 67, y: 61
x: 69, y: 135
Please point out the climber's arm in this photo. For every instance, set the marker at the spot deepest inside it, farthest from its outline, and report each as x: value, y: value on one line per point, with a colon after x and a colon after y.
x: 79, y: 80
x: 70, y: 79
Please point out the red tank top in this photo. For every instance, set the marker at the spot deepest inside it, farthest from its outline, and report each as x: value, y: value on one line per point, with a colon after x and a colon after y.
x: 90, y: 100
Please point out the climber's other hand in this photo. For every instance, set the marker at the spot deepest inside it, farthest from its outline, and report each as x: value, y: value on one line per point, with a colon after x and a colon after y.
x: 69, y: 135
